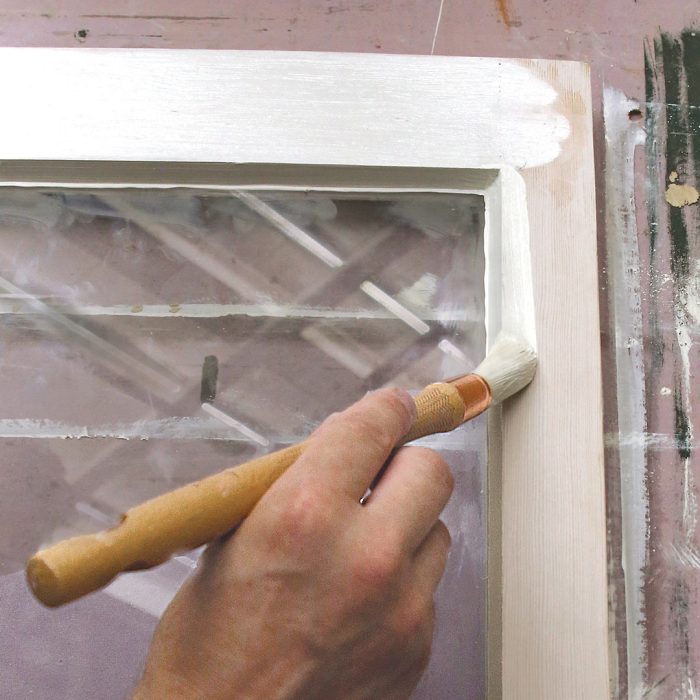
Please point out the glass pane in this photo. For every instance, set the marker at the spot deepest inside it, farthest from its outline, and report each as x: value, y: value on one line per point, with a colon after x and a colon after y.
x: 151, y: 337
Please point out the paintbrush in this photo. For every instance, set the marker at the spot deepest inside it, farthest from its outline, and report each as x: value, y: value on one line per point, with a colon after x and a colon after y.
x: 150, y: 533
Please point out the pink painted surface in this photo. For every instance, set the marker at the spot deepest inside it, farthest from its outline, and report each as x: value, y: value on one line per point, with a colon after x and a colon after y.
x: 608, y: 35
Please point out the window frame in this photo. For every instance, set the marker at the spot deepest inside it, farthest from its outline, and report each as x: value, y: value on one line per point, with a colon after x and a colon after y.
x: 277, y: 120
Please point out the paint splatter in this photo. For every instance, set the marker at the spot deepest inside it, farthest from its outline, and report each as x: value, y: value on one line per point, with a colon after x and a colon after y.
x: 506, y: 15
x: 681, y: 195
x: 174, y: 308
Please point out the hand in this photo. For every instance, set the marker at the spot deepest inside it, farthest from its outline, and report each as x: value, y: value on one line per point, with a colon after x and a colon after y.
x: 316, y: 596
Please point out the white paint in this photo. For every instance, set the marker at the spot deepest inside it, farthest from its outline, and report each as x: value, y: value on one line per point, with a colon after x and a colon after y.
x: 276, y: 107
x: 665, y: 391
x: 508, y: 367
x: 170, y: 428
x: 686, y: 555
x: 259, y: 310
x: 510, y: 303
x: 692, y: 298
x: 659, y: 441
x: 622, y: 136
x: 420, y: 294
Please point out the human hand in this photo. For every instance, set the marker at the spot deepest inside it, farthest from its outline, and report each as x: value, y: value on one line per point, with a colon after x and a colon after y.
x: 316, y: 596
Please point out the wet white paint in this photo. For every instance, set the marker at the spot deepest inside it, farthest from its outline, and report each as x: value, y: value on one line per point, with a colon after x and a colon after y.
x: 386, y: 110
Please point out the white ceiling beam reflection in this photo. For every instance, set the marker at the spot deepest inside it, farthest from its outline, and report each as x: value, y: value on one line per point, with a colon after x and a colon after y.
x: 232, y: 422
x: 208, y: 262
x: 289, y: 229
x: 393, y: 306
x: 106, y: 349
x: 451, y: 349
x: 99, y: 516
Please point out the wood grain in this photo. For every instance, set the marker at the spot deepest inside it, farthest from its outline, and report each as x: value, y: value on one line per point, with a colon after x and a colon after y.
x: 554, y: 558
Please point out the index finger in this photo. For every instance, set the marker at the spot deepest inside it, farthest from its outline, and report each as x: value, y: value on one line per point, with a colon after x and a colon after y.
x: 349, y: 448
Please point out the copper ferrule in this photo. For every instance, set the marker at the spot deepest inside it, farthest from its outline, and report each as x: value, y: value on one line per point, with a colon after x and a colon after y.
x: 474, y: 392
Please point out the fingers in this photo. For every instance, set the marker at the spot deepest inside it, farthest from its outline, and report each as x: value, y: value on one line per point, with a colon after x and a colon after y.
x: 410, y: 496
x: 349, y: 448
x: 430, y: 560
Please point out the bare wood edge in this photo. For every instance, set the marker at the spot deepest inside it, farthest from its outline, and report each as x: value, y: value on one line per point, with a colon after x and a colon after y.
x: 554, y: 586
x: 494, y: 556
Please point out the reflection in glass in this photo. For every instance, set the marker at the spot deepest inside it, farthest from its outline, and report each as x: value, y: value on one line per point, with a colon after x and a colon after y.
x: 118, y: 308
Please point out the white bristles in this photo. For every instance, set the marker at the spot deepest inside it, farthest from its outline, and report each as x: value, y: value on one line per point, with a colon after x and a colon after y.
x: 508, y: 367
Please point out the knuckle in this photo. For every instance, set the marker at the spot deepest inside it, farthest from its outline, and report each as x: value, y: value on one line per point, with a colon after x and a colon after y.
x: 413, y: 621
x: 392, y: 401
x: 436, y: 468
x: 372, y: 432
x: 329, y: 422
x: 304, y: 517
x: 377, y: 570
x: 444, y: 535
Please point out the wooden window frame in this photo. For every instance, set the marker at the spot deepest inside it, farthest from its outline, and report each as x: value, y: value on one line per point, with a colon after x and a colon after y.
x: 518, y: 132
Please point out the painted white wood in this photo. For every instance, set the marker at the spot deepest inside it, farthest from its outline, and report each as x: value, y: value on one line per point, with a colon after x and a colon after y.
x: 274, y: 107
x: 419, y: 122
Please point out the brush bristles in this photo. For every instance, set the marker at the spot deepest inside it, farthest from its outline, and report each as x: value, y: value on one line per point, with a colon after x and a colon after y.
x: 509, y: 366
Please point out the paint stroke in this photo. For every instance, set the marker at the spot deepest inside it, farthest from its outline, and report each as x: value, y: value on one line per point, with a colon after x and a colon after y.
x: 9, y: 304
x: 174, y: 428
x: 622, y: 137
x: 504, y: 12
x: 673, y: 154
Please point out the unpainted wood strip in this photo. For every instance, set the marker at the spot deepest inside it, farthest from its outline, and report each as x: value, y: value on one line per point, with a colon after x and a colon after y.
x: 555, y: 642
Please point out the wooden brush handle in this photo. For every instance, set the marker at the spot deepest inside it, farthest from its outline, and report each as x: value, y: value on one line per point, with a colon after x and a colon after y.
x: 192, y: 515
